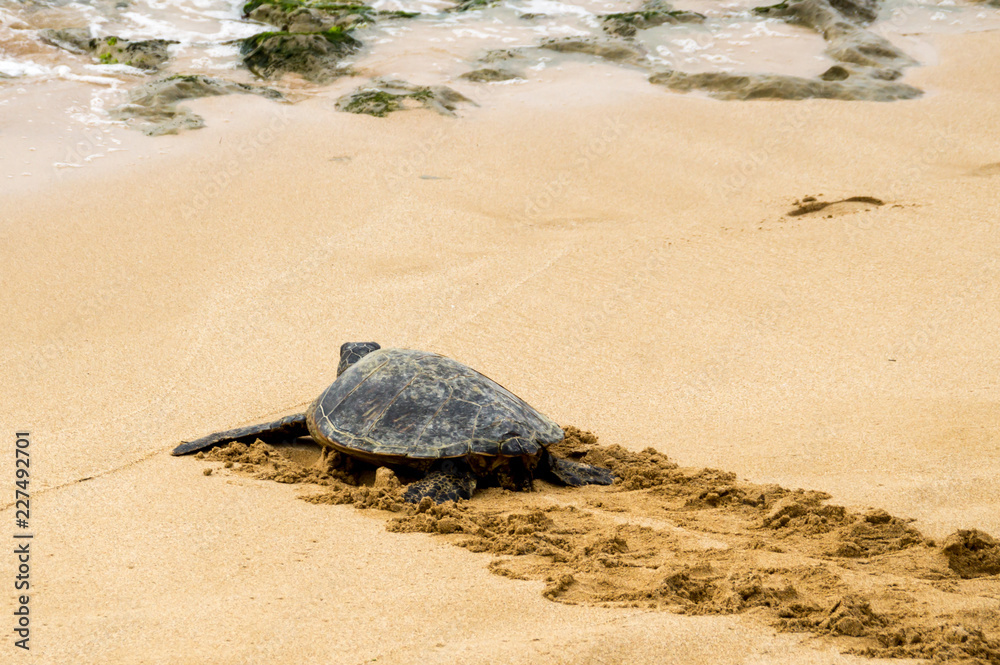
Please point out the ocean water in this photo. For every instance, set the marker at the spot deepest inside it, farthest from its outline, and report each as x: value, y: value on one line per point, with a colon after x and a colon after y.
x: 434, y: 48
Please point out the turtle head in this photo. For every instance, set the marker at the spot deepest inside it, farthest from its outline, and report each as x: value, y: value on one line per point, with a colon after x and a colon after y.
x: 352, y: 352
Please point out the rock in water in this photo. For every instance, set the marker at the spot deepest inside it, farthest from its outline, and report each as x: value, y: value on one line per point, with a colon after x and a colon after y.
x: 381, y: 97
x: 316, y: 56
x: 153, y: 106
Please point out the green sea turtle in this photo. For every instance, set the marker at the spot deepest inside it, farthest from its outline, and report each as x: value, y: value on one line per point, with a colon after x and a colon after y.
x: 417, y: 409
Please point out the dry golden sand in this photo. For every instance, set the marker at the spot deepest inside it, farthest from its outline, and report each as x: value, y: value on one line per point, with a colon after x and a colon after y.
x: 624, y: 263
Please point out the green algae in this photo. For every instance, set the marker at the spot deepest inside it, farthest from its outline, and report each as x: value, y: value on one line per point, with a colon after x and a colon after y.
x: 652, y: 13
x: 471, y: 5
x: 314, y: 55
x: 312, y: 37
x: 291, y: 5
x: 382, y: 97
x: 149, y: 54
x: 305, y: 16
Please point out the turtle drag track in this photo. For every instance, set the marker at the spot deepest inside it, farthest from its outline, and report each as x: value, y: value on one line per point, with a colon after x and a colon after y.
x: 693, y: 541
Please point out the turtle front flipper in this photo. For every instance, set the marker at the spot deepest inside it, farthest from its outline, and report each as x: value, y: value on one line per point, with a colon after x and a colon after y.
x: 576, y: 474
x: 289, y: 426
x: 448, y: 482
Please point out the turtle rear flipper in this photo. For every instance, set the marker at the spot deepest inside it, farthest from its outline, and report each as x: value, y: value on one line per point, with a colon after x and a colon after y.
x: 576, y: 474
x: 289, y: 426
x: 449, y: 482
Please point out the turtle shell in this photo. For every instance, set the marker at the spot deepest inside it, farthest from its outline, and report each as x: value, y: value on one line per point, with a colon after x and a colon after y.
x: 408, y: 407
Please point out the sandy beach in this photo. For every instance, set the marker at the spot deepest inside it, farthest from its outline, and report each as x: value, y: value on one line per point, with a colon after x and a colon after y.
x: 621, y: 257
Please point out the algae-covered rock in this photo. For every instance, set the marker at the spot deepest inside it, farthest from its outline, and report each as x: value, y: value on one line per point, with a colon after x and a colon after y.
x: 153, y: 107
x: 74, y: 40
x: 613, y: 50
x: 857, y: 46
x: 314, y: 16
x: 294, y: 18
x: 841, y: 72
x: 501, y: 55
x: 314, y: 55
x: 867, y: 60
x: 498, y: 66
x: 651, y: 14
x: 489, y: 75
x: 381, y: 97
x: 838, y: 21
x: 859, y: 11
x: 726, y: 86
x: 469, y: 5
x: 147, y: 54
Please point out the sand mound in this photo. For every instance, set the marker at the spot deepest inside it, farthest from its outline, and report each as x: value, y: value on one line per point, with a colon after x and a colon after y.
x: 972, y: 553
x: 697, y: 541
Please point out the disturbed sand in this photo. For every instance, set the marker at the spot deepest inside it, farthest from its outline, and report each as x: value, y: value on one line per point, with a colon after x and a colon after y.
x: 625, y: 262
x: 693, y: 541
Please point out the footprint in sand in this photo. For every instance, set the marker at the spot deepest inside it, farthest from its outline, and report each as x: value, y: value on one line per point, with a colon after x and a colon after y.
x: 986, y: 170
x: 812, y: 206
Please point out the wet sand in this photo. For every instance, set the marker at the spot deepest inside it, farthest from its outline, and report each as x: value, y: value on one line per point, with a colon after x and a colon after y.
x: 623, y: 260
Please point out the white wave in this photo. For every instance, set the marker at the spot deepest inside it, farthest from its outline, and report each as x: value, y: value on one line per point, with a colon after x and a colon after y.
x: 145, y: 26
x: 22, y: 68
x: 550, y: 8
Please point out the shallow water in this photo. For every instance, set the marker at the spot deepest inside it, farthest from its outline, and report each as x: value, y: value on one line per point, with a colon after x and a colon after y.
x: 434, y: 48
x: 732, y: 38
